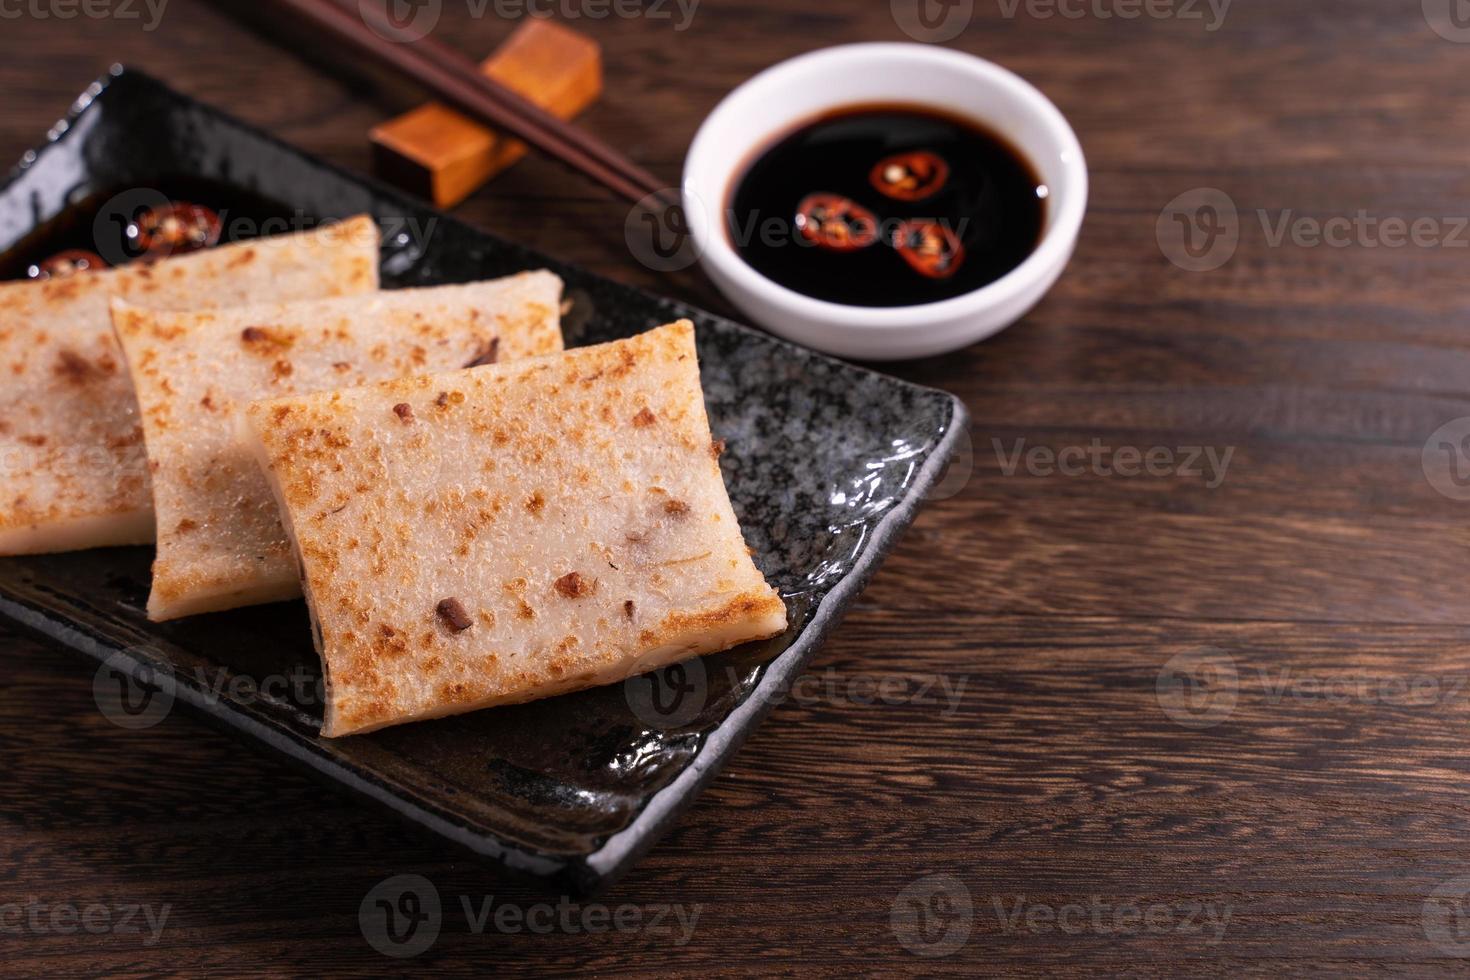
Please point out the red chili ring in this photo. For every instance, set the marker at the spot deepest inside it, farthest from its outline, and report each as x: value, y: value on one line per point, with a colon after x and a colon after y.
x: 836, y: 223
x: 67, y: 263
x: 174, y: 229
x: 931, y: 249
x: 910, y: 176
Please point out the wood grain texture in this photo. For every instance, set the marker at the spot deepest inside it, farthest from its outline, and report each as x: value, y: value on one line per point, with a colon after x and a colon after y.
x: 1318, y: 789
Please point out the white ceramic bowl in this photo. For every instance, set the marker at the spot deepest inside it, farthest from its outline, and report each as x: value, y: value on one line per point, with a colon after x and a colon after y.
x: 789, y: 94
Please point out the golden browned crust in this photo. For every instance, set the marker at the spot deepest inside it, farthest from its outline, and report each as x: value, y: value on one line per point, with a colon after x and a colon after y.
x: 220, y: 540
x: 579, y: 541
x: 72, y: 469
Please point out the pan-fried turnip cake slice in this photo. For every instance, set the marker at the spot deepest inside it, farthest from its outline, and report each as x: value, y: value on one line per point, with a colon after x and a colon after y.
x: 220, y: 540
x: 72, y: 469
x: 512, y: 532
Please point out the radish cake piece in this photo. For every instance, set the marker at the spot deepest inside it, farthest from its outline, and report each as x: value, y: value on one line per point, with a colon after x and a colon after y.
x: 220, y: 540
x: 512, y: 532
x: 72, y: 468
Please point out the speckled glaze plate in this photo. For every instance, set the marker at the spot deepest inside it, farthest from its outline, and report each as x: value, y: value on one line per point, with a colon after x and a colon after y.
x: 826, y: 465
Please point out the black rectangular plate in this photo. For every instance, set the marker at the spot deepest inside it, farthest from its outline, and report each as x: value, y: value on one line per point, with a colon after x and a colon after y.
x: 826, y: 465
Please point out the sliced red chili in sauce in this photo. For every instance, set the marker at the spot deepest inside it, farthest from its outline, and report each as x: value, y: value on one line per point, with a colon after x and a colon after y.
x: 836, y: 223
x: 910, y: 176
x: 933, y: 250
x: 67, y: 263
x: 174, y: 229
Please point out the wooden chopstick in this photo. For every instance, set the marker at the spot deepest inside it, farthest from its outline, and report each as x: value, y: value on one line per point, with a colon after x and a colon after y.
x: 465, y: 68
x: 455, y: 80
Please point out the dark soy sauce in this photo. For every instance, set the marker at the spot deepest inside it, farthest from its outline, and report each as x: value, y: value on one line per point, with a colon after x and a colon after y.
x: 95, y: 222
x: 990, y: 198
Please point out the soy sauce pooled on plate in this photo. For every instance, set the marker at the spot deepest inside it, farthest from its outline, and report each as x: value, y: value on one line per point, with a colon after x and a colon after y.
x: 887, y: 206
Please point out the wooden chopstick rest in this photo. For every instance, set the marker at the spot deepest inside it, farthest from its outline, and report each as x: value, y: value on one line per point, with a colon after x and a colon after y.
x: 440, y: 154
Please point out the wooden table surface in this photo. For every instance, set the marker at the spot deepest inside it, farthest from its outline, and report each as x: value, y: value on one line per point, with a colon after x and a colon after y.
x: 1213, y: 716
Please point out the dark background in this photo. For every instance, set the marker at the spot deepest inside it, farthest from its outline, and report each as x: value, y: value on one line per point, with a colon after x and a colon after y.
x: 1321, y: 586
